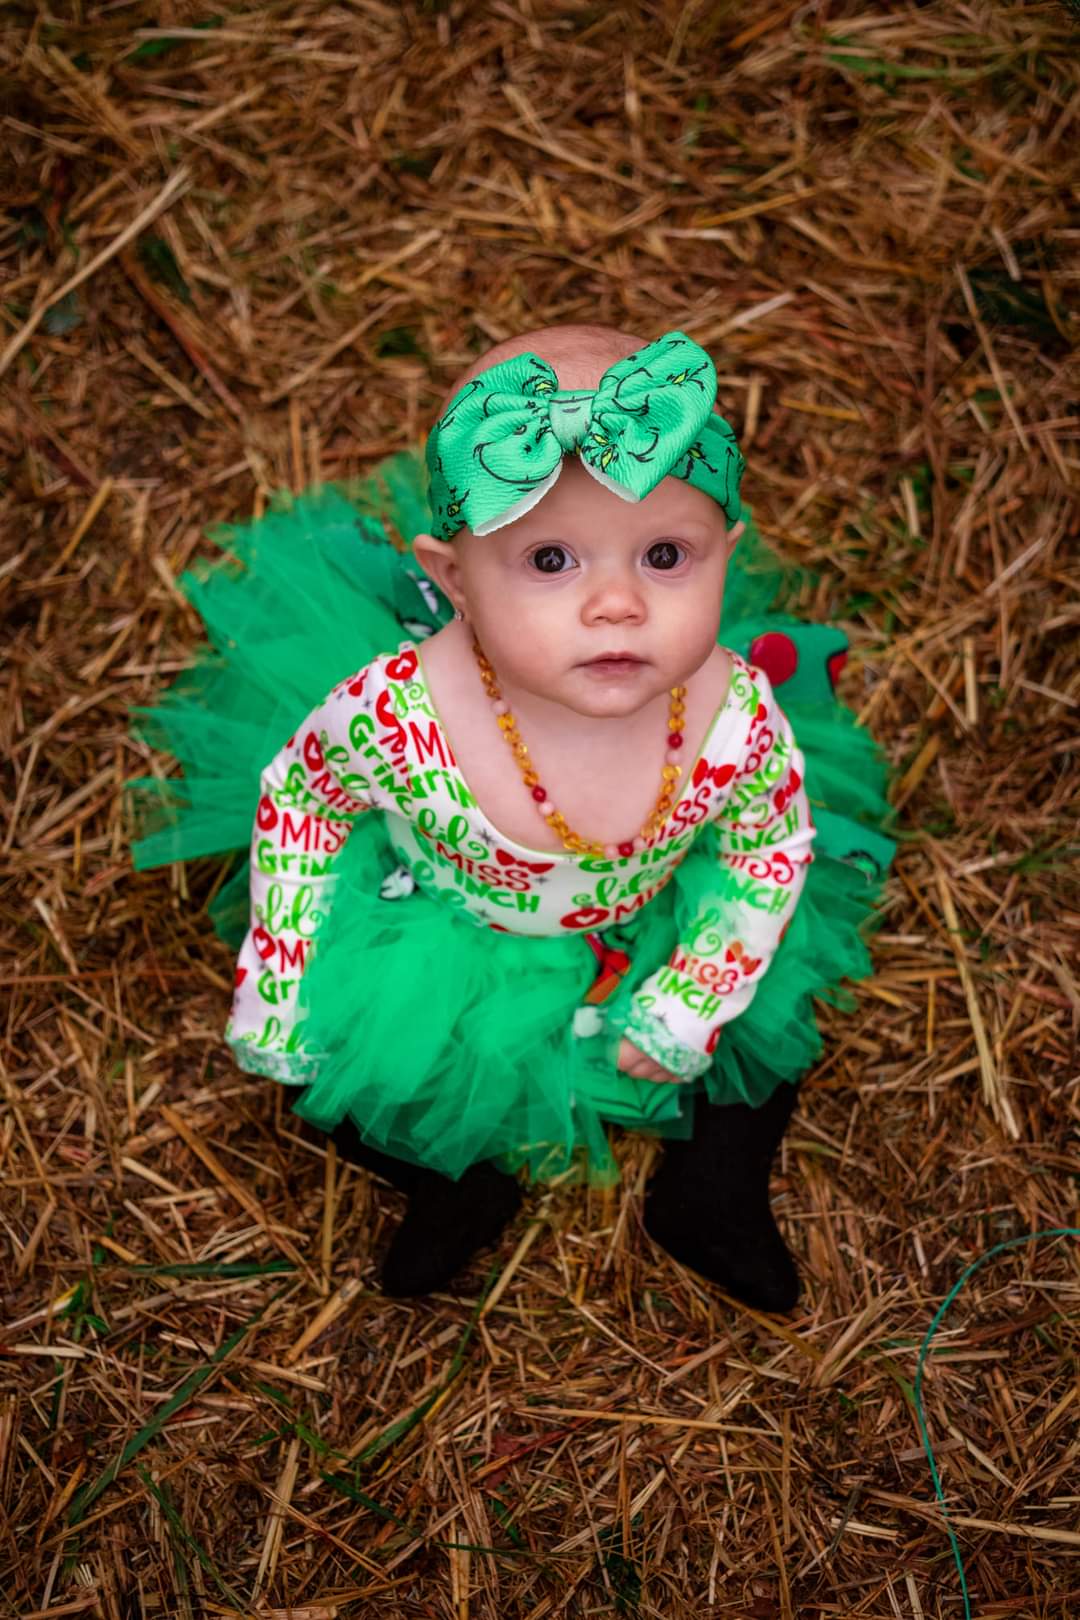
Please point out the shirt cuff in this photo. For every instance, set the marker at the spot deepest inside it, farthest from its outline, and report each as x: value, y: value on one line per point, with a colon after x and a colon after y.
x: 291, y: 1068
x: 651, y: 1035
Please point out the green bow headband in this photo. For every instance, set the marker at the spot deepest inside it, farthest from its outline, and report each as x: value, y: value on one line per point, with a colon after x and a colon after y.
x: 499, y: 447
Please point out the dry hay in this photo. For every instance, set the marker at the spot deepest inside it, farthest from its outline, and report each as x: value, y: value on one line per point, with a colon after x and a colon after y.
x: 251, y: 249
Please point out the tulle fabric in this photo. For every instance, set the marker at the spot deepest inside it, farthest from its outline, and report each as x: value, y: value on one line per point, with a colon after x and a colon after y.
x: 447, y: 1044
x: 308, y: 592
x: 444, y: 1042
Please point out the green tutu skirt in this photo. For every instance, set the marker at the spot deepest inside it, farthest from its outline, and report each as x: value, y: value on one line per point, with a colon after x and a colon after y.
x: 447, y: 1043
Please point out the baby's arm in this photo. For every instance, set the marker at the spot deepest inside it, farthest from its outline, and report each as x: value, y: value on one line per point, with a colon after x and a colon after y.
x: 310, y: 796
x: 764, y: 832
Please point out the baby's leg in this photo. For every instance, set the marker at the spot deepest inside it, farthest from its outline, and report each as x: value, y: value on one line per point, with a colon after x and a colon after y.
x: 446, y: 1221
x: 708, y: 1204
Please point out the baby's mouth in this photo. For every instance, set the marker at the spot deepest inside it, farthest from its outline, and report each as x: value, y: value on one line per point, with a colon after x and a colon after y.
x: 614, y: 663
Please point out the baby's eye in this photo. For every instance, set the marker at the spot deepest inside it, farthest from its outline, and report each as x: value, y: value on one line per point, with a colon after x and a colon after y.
x: 665, y: 554
x: 551, y: 560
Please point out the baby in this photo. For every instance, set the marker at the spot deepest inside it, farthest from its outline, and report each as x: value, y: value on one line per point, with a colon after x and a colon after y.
x: 526, y: 871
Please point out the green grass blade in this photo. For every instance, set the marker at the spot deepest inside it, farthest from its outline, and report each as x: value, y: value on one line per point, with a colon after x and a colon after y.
x: 193, y: 1382
x: 180, y: 1529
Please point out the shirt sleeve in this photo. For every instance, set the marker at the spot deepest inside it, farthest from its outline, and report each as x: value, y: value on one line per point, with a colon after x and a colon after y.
x: 309, y: 798
x: 763, y: 833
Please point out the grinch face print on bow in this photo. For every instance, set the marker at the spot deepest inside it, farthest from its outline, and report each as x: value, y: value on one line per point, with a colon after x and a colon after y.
x: 499, y: 447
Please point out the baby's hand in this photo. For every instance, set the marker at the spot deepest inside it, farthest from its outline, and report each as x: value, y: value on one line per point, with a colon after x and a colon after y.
x: 633, y: 1061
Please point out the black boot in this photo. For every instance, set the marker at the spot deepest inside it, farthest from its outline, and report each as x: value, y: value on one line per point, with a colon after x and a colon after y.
x: 445, y: 1224
x: 446, y: 1221
x: 708, y: 1204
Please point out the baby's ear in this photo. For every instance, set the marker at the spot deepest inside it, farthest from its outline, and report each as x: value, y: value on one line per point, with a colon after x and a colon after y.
x: 440, y: 562
x: 735, y: 534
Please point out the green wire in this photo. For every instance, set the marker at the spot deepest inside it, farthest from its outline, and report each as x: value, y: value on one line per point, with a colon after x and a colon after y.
x: 920, y: 1365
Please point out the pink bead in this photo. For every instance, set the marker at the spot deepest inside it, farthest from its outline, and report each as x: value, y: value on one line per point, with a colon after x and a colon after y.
x: 540, y: 795
x: 612, y: 851
x: 547, y: 808
x: 671, y: 757
x: 501, y: 707
x: 639, y: 845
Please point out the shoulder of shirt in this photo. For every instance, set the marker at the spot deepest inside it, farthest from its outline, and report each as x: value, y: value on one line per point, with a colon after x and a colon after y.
x: 742, y: 667
x: 749, y: 694
x: 376, y: 672
x: 355, y: 692
x: 762, y: 683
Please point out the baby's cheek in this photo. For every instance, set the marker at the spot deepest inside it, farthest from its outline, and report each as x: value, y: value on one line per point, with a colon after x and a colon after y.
x: 526, y: 649
x: 689, y: 638
x: 530, y: 624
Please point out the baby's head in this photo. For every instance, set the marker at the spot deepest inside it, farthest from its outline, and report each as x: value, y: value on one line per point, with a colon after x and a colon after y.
x: 584, y: 572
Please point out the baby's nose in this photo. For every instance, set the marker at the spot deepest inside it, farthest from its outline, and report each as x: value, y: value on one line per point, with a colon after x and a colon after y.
x: 615, y: 598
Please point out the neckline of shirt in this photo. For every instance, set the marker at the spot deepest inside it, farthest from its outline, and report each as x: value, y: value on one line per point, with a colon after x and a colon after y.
x: 725, y: 710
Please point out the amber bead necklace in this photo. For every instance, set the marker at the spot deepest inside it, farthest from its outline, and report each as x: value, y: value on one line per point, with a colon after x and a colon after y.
x: 555, y: 819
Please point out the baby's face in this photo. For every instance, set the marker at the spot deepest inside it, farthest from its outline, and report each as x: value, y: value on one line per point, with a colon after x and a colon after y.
x: 594, y: 602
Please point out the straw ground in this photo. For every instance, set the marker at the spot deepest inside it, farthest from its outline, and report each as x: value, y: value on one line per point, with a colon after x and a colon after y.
x: 246, y: 249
